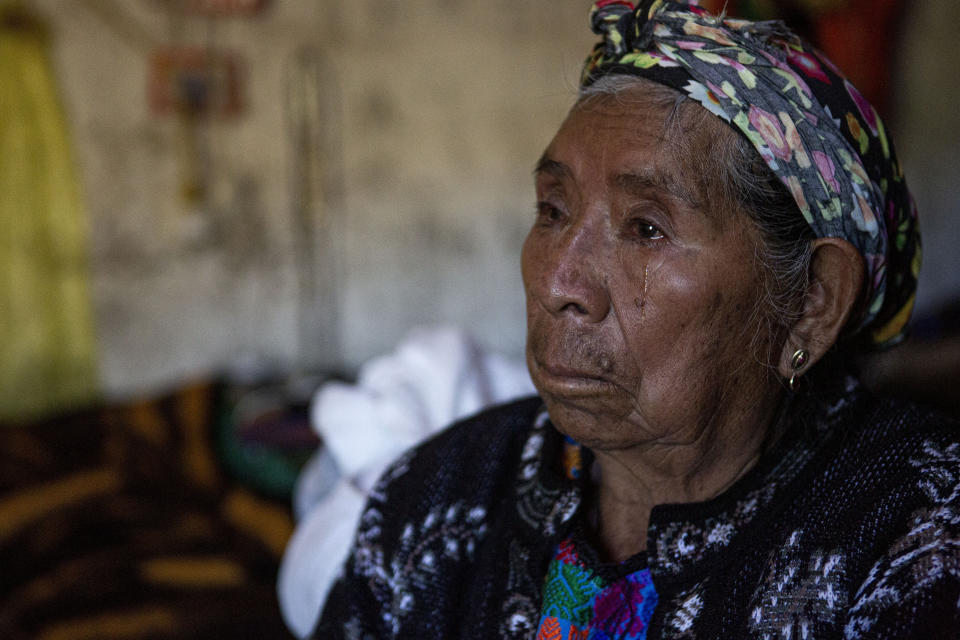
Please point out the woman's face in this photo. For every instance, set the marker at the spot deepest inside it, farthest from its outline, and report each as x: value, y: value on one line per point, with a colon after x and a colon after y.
x: 641, y: 294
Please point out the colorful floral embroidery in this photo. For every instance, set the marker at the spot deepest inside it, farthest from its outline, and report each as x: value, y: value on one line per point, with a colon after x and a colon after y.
x: 577, y: 603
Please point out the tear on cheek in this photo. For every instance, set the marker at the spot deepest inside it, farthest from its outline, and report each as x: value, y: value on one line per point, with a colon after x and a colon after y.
x: 641, y: 301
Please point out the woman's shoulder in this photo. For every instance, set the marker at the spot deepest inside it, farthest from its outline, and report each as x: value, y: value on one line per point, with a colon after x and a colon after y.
x: 897, y: 433
x: 480, y: 441
x: 470, y: 458
x: 491, y: 429
x: 869, y: 423
x: 424, y: 524
x: 877, y: 448
x: 908, y: 461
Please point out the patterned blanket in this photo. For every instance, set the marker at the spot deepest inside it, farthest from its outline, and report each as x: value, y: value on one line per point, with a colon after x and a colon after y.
x: 121, y: 523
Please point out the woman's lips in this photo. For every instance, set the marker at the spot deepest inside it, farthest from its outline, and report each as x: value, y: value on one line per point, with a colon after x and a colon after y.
x: 561, y: 379
x: 565, y: 371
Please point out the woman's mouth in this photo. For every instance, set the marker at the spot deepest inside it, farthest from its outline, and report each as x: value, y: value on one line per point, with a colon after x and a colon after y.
x: 565, y: 380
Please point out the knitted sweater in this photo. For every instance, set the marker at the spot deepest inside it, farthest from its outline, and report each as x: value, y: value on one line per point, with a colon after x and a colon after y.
x: 848, y: 527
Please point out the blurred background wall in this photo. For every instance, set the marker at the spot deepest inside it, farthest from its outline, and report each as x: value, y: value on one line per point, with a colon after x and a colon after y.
x: 369, y: 171
x: 439, y: 110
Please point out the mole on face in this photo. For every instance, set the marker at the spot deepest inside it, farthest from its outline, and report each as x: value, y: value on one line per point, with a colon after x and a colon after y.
x: 717, y: 303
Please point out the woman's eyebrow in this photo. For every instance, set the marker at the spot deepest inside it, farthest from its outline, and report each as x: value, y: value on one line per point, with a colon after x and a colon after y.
x: 643, y: 181
x: 552, y: 167
x: 634, y: 182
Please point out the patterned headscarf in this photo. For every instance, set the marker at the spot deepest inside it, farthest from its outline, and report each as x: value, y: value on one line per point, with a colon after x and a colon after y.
x: 811, y: 126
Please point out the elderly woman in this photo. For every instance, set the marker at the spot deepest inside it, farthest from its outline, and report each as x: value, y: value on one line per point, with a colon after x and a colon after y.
x: 721, y: 221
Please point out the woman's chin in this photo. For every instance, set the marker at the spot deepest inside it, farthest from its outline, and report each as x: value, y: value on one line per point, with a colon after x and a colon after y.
x: 594, y: 423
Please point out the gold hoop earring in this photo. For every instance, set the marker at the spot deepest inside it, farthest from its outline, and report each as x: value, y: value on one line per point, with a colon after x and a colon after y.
x: 797, y: 362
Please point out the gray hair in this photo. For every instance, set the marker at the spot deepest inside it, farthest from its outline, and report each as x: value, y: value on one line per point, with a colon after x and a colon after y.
x: 733, y: 172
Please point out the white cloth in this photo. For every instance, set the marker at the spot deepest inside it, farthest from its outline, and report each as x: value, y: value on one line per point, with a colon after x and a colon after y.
x: 435, y: 377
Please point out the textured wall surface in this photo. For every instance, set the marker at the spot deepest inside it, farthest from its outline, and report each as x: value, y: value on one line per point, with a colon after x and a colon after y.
x: 440, y: 109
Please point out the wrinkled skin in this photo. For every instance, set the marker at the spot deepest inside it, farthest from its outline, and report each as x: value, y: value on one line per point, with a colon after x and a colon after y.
x: 641, y: 312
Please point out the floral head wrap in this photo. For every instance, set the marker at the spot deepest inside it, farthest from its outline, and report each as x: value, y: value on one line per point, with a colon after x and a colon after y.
x: 811, y: 126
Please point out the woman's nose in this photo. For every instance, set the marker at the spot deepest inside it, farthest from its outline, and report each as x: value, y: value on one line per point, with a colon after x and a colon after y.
x: 576, y: 283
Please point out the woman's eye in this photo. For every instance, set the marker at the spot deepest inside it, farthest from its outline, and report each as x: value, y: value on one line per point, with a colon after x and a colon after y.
x: 647, y: 231
x: 546, y: 212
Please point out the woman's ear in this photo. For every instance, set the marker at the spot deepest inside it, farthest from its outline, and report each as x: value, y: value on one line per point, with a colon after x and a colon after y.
x: 837, y: 271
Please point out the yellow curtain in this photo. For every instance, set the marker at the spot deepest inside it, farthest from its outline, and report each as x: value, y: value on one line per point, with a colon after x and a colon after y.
x: 46, y: 327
